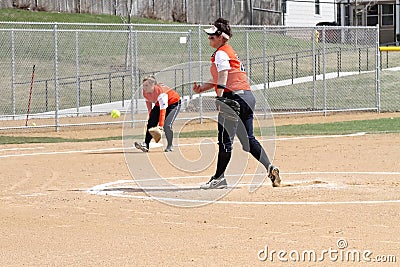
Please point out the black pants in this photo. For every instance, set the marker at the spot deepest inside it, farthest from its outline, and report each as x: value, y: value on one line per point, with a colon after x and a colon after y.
x: 170, y: 116
x: 243, y: 128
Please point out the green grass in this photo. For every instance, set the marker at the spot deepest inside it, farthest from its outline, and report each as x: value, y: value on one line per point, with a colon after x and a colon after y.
x: 388, y: 125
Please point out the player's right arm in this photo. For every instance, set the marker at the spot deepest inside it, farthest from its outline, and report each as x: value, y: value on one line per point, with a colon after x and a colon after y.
x: 197, y: 88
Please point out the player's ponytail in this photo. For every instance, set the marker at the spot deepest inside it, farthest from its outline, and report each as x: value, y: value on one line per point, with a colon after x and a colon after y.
x: 223, y: 27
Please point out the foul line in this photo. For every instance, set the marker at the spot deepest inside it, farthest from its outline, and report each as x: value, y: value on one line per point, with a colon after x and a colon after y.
x: 61, y: 152
x: 178, y: 145
x: 21, y: 148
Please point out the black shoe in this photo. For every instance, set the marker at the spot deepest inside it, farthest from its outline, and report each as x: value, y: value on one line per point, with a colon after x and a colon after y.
x: 273, y: 174
x: 169, y: 149
x: 142, y: 146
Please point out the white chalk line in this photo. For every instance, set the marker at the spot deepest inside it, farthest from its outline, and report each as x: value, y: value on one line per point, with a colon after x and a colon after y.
x: 191, y: 177
x: 20, y: 148
x: 178, y: 145
x: 105, y: 189
x: 288, y: 138
x: 99, y: 189
x: 233, y: 202
x: 202, y: 177
x: 60, y: 152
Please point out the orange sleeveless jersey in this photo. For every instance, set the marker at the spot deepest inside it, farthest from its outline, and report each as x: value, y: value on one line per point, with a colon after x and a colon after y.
x: 159, y: 89
x: 237, y: 78
x: 163, y: 94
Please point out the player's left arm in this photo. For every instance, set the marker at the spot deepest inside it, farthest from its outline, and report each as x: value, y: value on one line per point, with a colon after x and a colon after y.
x: 163, y: 101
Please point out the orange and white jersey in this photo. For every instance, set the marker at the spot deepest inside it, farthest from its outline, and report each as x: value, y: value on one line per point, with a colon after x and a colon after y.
x: 162, y: 96
x: 225, y: 58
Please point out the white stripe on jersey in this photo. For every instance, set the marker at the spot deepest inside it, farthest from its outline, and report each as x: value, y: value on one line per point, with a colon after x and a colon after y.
x: 163, y: 100
x: 222, y: 61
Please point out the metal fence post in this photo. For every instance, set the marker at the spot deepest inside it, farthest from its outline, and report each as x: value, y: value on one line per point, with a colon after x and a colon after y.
x: 91, y: 95
x: 13, y: 73
x: 123, y: 90
x: 190, y: 48
x: 324, y: 70
x: 46, y: 90
x: 109, y: 88
x: 78, y: 83
x: 247, y: 55
x: 314, y: 67
x: 377, y: 70
x: 265, y: 70
x: 56, y: 82
x: 134, y: 61
x: 200, y: 77
x: 130, y: 48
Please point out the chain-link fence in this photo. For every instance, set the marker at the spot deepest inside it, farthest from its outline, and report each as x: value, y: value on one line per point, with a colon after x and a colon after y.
x: 90, y: 69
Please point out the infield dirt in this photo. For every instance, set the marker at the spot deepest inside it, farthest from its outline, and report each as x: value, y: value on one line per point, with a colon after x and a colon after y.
x: 337, y: 189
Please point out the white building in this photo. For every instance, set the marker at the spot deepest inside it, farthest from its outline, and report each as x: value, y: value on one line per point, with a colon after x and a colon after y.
x: 308, y: 13
x: 385, y: 13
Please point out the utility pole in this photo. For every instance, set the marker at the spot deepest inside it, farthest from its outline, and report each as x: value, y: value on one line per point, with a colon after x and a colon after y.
x: 251, y: 12
x: 348, y: 13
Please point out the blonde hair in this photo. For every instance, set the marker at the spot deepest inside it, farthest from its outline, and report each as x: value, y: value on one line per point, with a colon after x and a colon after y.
x: 151, y: 79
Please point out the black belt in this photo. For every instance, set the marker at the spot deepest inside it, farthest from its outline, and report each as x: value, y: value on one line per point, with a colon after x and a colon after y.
x: 232, y: 93
x: 176, y: 103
